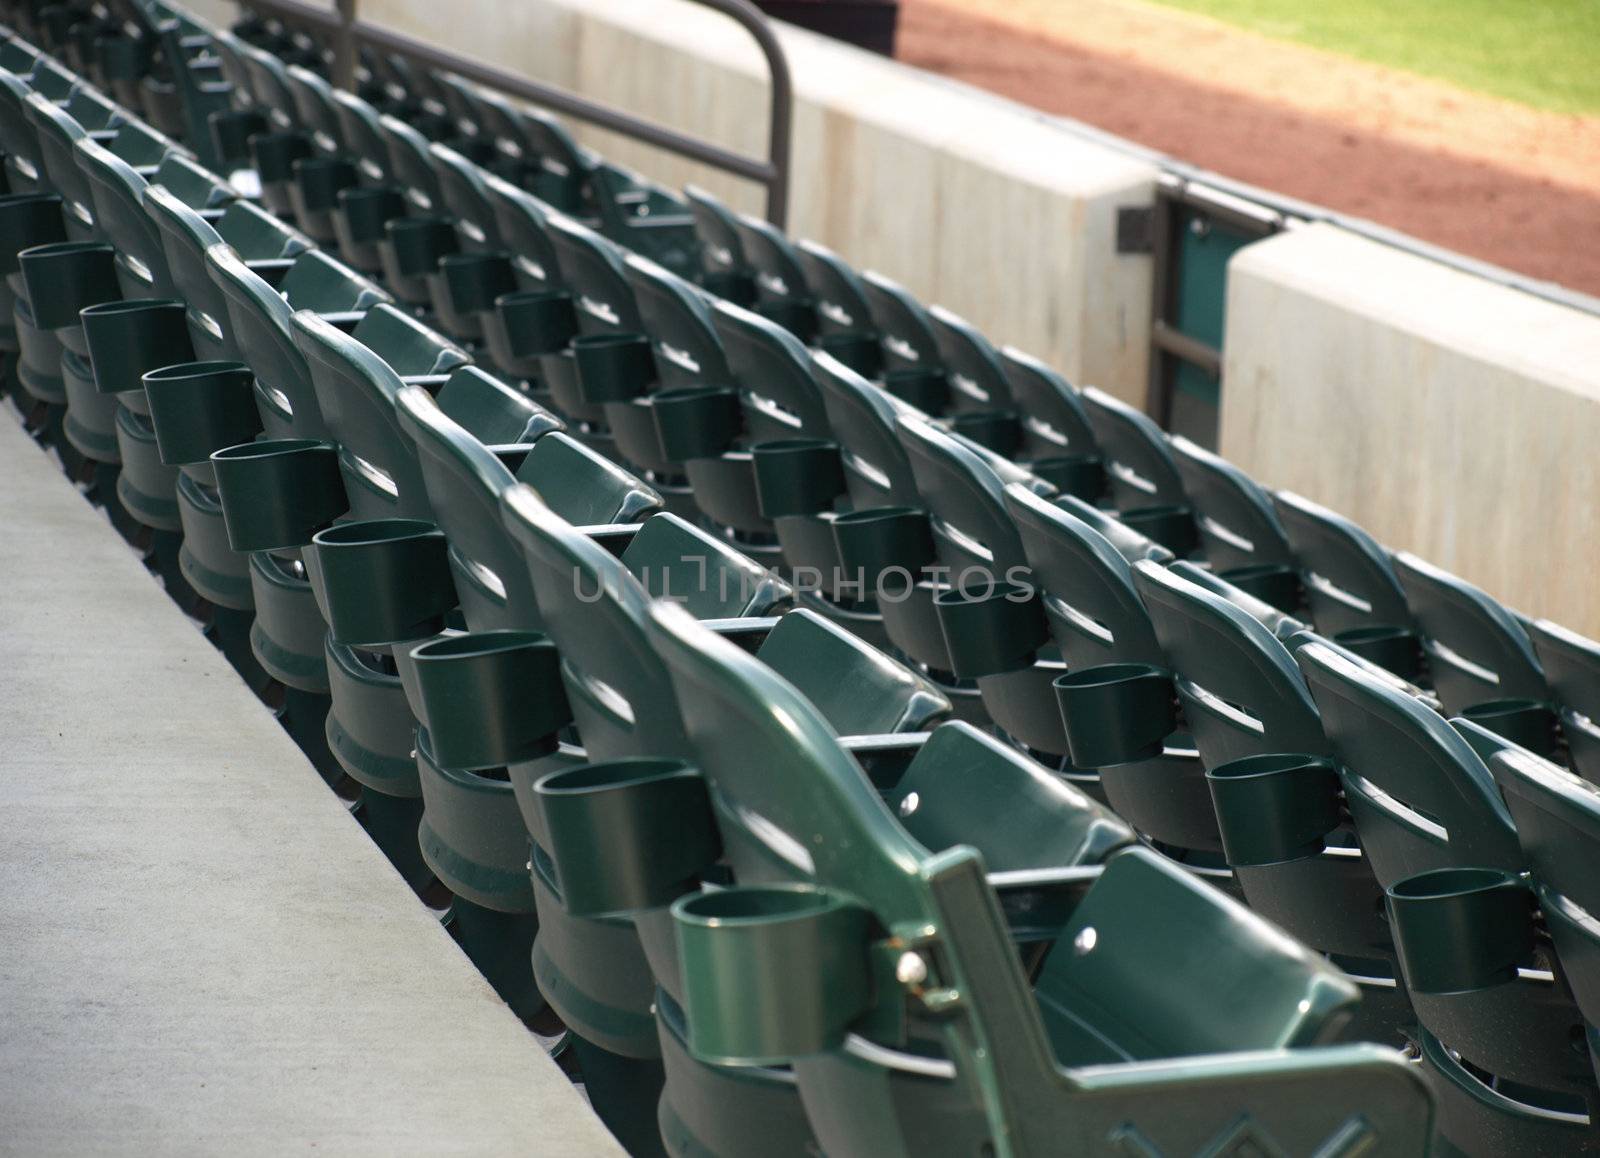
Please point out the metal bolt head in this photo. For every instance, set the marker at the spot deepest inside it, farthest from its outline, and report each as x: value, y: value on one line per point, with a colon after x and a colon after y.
x: 1085, y: 941
x: 909, y: 804
x: 911, y: 969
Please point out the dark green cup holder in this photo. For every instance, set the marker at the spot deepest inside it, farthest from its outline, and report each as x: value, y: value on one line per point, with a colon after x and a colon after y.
x: 927, y: 390
x: 366, y: 210
x: 696, y: 422
x: 858, y: 350
x: 880, y: 542
x: 771, y: 974
x: 1272, y: 583
x: 1168, y: 524
x: 1276, y: 807
x: 198, y: 408
x: 129, y: 339
x: 1460, y: 929
x: 489, y: 698
x: 65, y: 278
x: 28, y: 220
x: 797, y: 315
x: 736, y: 286
x: 626, y: 835
x: 529, y: 324
x: 318, y: 182
x: 418, y: 244
x: 121, y: 58
x: 613, y: 367
x: 996, y: 430
x: 279, y: 493
x: 1529, y: 724
x: 1395, y: 649
x: 275, y: 153
x: 1081, y: 475
x: 231, y: 132
x: 473, y: 281
x: 381, y: 581
x: 990, y: 625
x: 1116, y: 713
x: 797, y: 476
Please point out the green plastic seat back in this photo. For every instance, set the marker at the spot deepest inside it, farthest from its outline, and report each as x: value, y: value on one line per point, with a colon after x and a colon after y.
x: 362, y: 134
x: 858, y: 689
x: 411, y: 164
x: 411, y: 349
x: 1052, y: 411
x: 497, y: 118
x: 773, y: 372
x: 673, y: 559
x: 677, y: 317
x: 93, y: 113
x: 1205, y: 977
x: 314, y: 107
x: 1082, y: 561
x: 18, y: 134
x: 554, y: 145
x: 191, y: 182
x: 1558, y: 821
x: 877, y: 471
x: 185, y: 238
x: 461, y: 186
x: 1421, y: 798
x: 806, y: 813
x: 1233, y: 512
x: 268, y: 84
x: 1349, y: 580
x: 964, y: 495
x: 51, y: 80
x: 141, y: 146
x: 1138, y: 462
x: 779, y: 276
x: 967, y: 787
x: 583, y: 487
x: 523, y: 224
x: 841, y: 299
x: 721, y: 247
x: 118, y: 196
x: 907, y: 331
x: 318, y: 282
x: 17, y: 56
x: 977, y: 376
x: 591, y: 269
x: 1572, y: 665
x: 496, y: 414
x: 1477, y: 650
x: 1279, y: 622
x: 259, y: 322
x: 257, y: 235
x: 1242, y: 693
x: 230, y: 52
x: 464, y: 480
x: 356, y: 392
x: 593, y: 610
x: 59, y: 134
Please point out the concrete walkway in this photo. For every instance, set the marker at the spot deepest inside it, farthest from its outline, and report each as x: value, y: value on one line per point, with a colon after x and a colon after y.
x: 200, y: 951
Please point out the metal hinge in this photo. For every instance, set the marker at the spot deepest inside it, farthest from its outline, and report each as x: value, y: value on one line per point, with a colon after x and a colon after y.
x: 1136, y: 227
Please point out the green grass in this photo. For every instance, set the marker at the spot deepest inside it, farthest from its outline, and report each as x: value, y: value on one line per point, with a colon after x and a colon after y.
x: 1544, y: 53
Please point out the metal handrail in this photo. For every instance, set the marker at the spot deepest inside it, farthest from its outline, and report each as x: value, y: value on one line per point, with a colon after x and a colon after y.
x: 772, y: 172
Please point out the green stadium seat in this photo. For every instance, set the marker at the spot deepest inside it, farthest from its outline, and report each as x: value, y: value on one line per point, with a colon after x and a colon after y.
x: 827, y: 872
x: 1433, y: 826
x: 1141, y: 476
x: 1572, y: 664
x: 1055, y: 426
x: 1268, y: 764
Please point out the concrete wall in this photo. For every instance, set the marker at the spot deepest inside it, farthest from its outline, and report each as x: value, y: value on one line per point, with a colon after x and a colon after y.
x: 1447, y: 415
x: 972, y: 202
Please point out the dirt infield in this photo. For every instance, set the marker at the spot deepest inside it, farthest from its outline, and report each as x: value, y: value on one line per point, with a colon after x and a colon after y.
x: 1507, y: 184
